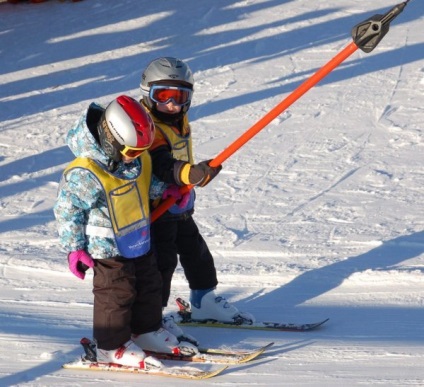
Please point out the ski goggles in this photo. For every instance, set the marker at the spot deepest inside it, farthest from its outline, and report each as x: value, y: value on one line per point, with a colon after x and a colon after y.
x: 131, y: 152
x: 164, y: 94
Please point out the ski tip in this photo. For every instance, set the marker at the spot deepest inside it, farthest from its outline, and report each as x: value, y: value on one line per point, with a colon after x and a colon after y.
x: 265, y: 347
x: 317, y: 325
x: 216, y: 372
x: 222, y: 369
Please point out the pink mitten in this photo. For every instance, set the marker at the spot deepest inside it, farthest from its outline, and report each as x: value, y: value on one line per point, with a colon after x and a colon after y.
x: 184, y: 200
x: 79, y: 262
x: 174, y: 191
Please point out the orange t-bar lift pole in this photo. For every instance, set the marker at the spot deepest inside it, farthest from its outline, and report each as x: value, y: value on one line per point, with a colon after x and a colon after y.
x: 365, y: 35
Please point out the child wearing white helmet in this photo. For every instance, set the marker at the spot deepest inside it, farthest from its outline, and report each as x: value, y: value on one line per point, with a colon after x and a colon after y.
x: 103, y: 217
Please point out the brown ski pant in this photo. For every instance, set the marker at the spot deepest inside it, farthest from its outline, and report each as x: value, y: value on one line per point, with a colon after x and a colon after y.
x: 127, y: 299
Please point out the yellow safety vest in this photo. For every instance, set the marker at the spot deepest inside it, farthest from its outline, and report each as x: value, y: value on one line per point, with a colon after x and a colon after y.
x: 181, y: 146
x: 128, y: 204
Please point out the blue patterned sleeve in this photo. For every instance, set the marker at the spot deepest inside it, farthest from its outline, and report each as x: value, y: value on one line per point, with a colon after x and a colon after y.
x: 157, y: 187
x: 78, y: 194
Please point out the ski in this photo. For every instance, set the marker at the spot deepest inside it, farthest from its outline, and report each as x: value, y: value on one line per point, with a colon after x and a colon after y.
x: 216, y: 355
x: 184, y: 319
x: 173, y: 372
x: 89, y: 363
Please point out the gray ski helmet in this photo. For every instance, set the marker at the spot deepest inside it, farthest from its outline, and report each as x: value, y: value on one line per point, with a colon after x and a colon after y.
x: 125, y: 123
x: 167, y: 71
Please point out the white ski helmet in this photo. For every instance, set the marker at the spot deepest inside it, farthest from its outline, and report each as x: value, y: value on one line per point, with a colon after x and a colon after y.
x: 125, y: 126
x: 167, y: 71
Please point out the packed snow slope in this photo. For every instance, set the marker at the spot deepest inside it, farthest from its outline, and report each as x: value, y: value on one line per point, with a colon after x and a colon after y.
x: 319, y: 215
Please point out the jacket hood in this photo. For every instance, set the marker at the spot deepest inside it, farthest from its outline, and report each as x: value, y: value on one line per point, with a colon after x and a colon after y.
x: 82, y: 142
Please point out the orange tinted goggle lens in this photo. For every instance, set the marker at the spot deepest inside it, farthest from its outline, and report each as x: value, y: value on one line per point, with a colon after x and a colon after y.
x: 132, y: 152
x: 180, y: 96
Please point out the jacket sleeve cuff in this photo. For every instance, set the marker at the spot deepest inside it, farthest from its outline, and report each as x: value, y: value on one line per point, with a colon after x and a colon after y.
x: 181, y: 172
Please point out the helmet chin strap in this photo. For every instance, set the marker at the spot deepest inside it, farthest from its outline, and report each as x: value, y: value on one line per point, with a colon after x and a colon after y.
x: 112, y: 165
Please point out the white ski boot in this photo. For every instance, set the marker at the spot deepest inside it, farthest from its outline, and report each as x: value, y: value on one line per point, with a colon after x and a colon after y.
x: 129, y: 355
x: 169, y: 324
x: 213, y: 307
x: 164, y: 342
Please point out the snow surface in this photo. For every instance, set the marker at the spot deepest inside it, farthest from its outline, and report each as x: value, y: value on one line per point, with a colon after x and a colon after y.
x: 319, y: 215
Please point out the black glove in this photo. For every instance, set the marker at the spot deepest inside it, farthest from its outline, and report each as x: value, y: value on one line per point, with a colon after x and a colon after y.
x: 202, y: 174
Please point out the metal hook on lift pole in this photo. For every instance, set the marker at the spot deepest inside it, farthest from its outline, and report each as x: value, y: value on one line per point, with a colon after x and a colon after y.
x: 368, y: 34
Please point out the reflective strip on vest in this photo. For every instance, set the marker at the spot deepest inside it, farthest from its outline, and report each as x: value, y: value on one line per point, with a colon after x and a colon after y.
x: 104, y: 232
